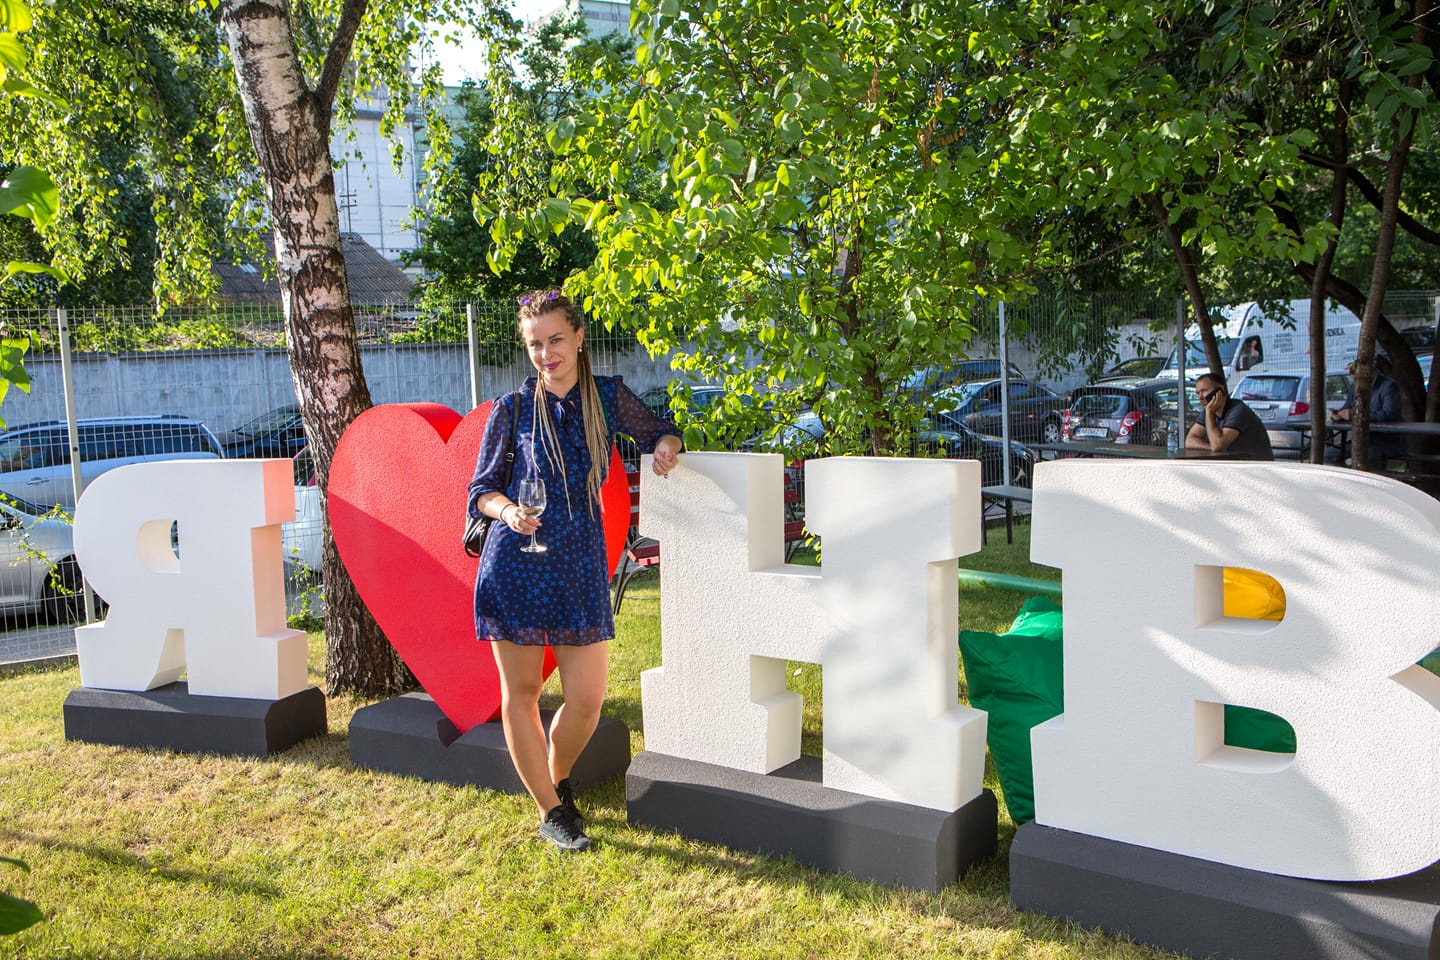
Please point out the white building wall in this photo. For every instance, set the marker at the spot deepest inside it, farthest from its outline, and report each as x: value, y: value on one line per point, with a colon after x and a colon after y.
x: 376, y: 199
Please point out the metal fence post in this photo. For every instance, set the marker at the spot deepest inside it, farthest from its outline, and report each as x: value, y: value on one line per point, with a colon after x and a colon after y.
x: 1004, y: 395
x: 1182, y: 351
x: 72, y: 428
x: 474, y: 350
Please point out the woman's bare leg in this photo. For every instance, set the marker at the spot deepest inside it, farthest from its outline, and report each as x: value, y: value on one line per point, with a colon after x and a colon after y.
x: 520, y: 682
x: 583, y: 677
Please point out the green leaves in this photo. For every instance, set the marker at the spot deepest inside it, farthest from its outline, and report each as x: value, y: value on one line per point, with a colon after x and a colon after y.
x: 17, y: 914
x: 29, y: 192
x: 14, y: 16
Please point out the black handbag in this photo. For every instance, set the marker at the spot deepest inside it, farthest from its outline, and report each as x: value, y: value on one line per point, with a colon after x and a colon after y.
x: 477, y: 527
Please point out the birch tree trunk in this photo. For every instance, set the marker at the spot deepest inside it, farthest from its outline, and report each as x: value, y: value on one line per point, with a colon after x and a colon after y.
x: 290, y: 127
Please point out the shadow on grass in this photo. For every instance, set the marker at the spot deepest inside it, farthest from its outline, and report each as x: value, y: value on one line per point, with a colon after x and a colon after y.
x: 128, y: 861
x: 988, y: 879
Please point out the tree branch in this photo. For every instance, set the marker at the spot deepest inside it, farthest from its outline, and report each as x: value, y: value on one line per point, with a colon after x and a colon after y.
x: 1372, y: 196
x: 339, y: 54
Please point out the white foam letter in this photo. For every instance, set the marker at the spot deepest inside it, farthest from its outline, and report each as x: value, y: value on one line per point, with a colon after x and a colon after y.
x: 219, y: 607
x: 1139, y: 755
x: 880, y: 619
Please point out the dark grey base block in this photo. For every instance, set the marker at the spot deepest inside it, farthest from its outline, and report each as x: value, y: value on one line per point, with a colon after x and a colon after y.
x: 1208, y: 909
x: 790, y: 813
x: 171, y: 718
x: 410, y: 735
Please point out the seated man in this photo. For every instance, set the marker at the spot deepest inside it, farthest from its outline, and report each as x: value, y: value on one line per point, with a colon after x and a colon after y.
x: 1384, y: 408
x: 1228, y: 423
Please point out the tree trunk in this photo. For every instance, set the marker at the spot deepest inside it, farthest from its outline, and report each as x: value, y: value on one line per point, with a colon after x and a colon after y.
x: 1191, y: 278
x: 290, y: 129
x: 1404, y: 127
x: 1340, y: 153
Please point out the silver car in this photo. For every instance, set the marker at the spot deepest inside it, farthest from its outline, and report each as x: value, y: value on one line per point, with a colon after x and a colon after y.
x: 35, y: 458
x: 37, y: 563
x: 1282, y: 401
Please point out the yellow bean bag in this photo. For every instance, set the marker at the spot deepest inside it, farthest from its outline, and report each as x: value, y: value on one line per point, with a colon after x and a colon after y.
x: 1252, y: 594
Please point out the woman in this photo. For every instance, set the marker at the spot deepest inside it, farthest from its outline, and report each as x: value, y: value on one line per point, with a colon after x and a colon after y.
x: 562, y: 421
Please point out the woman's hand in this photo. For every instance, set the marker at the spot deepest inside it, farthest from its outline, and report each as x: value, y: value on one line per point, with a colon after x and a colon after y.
x: 667, y: 455
x: 515, y: 519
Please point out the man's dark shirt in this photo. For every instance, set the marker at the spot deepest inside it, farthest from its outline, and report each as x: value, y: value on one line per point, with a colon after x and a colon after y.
x: 1253, y: 442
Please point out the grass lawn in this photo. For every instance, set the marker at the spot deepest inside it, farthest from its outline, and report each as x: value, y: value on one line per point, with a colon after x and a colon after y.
x: 153, y: 854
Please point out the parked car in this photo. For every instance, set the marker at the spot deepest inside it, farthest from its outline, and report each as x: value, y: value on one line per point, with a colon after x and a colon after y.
x: 302, y: 537
x: 1254, y: 338
x: 1138, y: 412
x: 1283, y: 400
x: 38, y: 571
x: 35, y: 458
x: 948, y: 436
x: 938, y: 435
x: 1136, y: 368
x: 1420, y: 339
x: 923, y: 383
x: 1034, y: 410
x: 701, y: 399
x: 275, y: 433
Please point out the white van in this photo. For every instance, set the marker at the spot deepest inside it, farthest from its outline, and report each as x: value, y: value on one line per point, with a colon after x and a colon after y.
x: 1252, y: 342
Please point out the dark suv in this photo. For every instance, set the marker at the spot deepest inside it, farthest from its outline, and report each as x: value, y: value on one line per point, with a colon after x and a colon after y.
x: 276, y: 433
x: 35, y: 458
x: 1034, y: 410
x: 1136, y: 413
x: 924, y: 382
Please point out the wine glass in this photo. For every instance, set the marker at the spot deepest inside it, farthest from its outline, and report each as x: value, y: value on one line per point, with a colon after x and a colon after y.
x: 532, y: 502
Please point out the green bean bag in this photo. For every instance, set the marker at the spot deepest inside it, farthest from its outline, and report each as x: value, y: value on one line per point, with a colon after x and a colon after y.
x: 1018, y: 679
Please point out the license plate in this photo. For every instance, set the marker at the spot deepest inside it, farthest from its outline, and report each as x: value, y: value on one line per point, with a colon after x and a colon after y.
x: 1271, y: 414
x: 1091, y: 433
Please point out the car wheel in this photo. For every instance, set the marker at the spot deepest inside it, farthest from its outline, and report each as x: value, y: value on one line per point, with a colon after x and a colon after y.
x: 1050, y: 431
x: 66, y: 603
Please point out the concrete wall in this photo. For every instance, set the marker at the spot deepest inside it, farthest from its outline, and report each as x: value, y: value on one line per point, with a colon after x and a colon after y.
x: 225, y: 388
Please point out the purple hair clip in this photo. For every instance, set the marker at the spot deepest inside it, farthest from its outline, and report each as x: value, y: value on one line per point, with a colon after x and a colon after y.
x: 533, y: 298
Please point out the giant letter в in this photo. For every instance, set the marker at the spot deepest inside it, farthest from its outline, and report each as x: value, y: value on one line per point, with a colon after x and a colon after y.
x: 880, y: 618
x: 218, y: 608
x: 1139, y: 754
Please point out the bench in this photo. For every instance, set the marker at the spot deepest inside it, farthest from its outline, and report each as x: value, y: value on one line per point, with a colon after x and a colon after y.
x: 643, y: 552
x: 1005, y: 496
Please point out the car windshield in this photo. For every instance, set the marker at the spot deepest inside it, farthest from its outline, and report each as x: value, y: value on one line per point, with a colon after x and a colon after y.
x: 1269, y: 388
x: 1195, y: 355
x: 24, y: 506
x: 1136, y: 367
x: 1101, y: 406
x: 276, y: 419
x: 958, y: 396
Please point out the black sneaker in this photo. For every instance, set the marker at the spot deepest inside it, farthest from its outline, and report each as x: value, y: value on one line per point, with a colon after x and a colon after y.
x: 566, y: 793
x: 564, y: 830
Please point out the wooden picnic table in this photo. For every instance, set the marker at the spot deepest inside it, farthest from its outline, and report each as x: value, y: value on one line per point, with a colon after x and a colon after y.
x: 1002, y: 495
x: 1337, y: 434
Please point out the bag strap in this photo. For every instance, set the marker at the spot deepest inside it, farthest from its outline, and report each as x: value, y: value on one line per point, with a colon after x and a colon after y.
x: 607, y: 407
x: 510, y: 453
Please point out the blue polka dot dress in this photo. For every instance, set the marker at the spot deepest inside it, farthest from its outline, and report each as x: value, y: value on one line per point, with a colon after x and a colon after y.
x: 560, y: 597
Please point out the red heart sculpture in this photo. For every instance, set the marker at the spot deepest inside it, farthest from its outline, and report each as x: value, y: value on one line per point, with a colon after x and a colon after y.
x: 397, y: 506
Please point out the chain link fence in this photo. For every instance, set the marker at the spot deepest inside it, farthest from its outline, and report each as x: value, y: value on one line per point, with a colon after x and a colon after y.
x: 204, y: 382
x: 208, y: 382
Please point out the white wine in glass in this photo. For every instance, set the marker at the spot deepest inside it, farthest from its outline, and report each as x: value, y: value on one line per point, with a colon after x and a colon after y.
x: 532, y: 502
